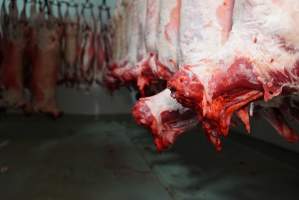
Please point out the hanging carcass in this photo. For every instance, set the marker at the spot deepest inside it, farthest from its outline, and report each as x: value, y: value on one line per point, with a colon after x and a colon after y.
x: 12, y: 47
x: 87, y: 48
x: 71, y: 46
x: 46, y: 64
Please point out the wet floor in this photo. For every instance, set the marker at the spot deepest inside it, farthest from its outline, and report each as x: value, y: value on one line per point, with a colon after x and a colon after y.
x: 109, y: 158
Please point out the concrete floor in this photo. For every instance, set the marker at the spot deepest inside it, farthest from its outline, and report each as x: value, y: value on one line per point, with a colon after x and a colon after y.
x: 82, y: 158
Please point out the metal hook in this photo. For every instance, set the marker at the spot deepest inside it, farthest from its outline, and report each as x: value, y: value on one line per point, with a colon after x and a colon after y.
x: 13, y: 4
x: 40, y: 3
x: 47, y: 5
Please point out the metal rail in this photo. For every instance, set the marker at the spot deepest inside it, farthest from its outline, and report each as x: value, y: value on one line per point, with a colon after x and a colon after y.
x: 87, y: 4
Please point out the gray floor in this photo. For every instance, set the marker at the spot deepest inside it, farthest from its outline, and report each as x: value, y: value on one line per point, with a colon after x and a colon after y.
x: 111, y: 158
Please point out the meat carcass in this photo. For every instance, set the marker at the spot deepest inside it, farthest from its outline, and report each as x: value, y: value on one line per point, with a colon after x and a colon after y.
x: 104, y: 43
x: 30, y: 46
x: 151, y: 27
x: 71, y: 60
x: 168, y: 38
x: 61, y: 27
x: 161, y: 113
x: 162, y: 22
x: 235, y: 53
x: 87, y: 57
x: 161, y: 28
x: 46, y: 66
x: 100, y: 50
x: 119, y: 45
x: 149, y: 63
x: 165, y: 117
x: 133, y: 60
x: 12, y: 47
x: 152, y: 40
x: 125, y: 70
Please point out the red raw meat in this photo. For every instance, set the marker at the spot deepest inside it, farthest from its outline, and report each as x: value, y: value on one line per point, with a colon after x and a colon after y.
x: 247, y: 52
x: 165, y: 117
x: 220, y: 58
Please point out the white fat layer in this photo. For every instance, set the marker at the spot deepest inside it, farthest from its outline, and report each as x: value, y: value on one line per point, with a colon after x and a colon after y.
x: 151, y: 27
x: 141, y: 10
x: 200, y: 32
x: 167, y: 49
x: 163, y: 102
x: 119, y: 26
x: 133, y: 32
x: 261, y: 29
